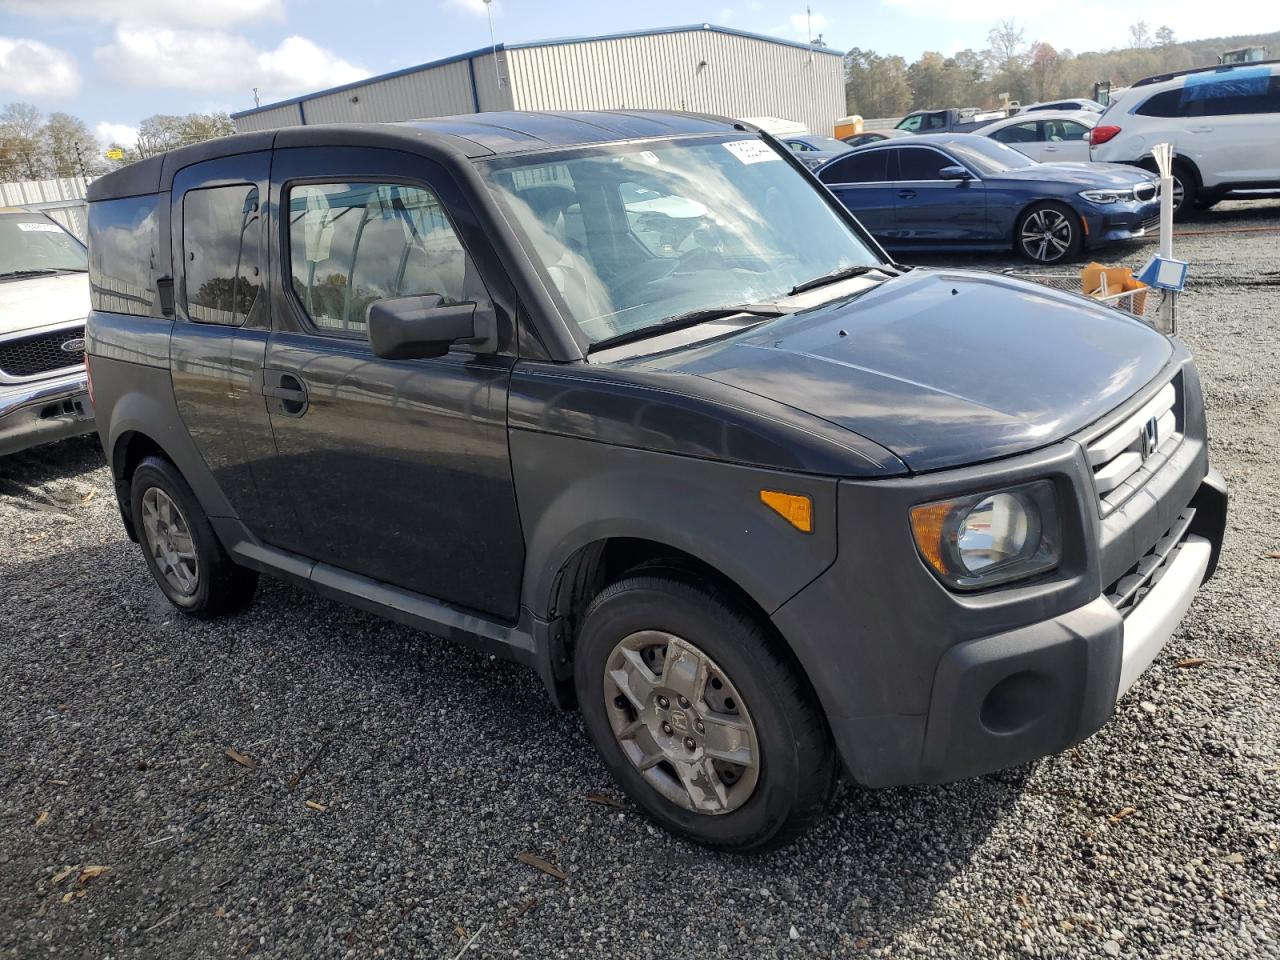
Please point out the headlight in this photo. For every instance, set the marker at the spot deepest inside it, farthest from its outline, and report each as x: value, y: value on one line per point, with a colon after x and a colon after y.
x: 990, y: 538
x: 1108, y: 196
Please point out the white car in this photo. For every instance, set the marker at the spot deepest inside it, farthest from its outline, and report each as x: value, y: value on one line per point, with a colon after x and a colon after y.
x: 44, y: 299
x: 1049, y: 136
x: 1223, y: 122
x: 1071, y: 105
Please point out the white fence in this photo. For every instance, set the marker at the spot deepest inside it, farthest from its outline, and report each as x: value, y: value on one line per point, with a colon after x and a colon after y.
x: 62, y: 199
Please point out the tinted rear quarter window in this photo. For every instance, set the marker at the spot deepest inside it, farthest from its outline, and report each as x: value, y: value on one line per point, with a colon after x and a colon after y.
x: 124, y: 251
x: 860, y: 168
x: 1216, y: 97
x: 220, y: 230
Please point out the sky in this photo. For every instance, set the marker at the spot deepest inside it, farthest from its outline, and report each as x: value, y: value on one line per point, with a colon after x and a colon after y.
x: 114, y: 62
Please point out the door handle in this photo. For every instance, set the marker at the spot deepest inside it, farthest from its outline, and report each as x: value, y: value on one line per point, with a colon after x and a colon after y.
x: 906, y: 194
x: 1202, y: 129
x: 287, y: 390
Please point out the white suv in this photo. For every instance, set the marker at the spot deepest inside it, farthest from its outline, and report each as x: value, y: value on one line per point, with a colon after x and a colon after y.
x: 1223, y: 122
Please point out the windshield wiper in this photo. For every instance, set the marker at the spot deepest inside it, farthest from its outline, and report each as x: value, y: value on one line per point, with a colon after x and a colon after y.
x: 844, y: 273
x: 683, y: 320
x: 43, y: 271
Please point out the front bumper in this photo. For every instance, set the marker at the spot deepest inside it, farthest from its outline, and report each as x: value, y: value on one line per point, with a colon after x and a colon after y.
x: 921, y: 684
x: 1118, y: 222
x: 44, y: 411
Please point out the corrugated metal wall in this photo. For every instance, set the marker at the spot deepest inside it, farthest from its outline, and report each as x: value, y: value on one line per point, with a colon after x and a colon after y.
x: 491, y: 96
x: 701, y: 70
x: 269, y: 118
x: 437, y: 92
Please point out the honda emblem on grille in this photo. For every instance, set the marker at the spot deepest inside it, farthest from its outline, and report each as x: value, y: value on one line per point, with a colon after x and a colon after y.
x: 1150, y: 437
x: 74, y: 345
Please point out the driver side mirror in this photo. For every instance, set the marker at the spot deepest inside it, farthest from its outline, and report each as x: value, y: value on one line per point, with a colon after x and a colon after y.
x: 955, y: 172
x: 414, y: 328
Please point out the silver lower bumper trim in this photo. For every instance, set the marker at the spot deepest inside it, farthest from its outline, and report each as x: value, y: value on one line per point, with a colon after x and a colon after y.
x: 1148, y: 628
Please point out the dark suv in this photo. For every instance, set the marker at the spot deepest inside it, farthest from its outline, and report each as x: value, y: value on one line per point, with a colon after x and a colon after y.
x: 631, y: 399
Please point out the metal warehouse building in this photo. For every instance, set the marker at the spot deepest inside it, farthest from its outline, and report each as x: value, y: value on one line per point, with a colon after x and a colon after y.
x: 700, y: 68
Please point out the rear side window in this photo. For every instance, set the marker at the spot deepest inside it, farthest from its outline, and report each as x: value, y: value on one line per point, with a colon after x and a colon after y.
x: 124, y: 253
x: 220, y: 240
x: 1018, y: 133
x: 860, y: 168
x: 351, y: 244
x: 919, y: 163
x: 1217, y: 96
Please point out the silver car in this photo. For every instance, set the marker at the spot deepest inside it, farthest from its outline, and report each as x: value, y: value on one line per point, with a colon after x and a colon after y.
x: 44, y: 298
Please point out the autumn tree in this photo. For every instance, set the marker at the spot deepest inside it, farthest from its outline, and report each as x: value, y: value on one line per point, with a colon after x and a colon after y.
x: 1139, y: 35
x: 1164, y: 37
x: 70, y: 147
x: 1045, y: 67
x: 875, y: 86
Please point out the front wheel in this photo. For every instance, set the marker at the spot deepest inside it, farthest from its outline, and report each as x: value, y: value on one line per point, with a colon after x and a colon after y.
x: 699, y: 717
x: 1049, y: 233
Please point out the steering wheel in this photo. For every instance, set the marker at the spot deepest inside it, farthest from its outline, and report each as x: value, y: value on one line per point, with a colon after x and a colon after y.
x: 659, y: 268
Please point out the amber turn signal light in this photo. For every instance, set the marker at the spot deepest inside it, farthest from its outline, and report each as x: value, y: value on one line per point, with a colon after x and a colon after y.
x: 794, y: 508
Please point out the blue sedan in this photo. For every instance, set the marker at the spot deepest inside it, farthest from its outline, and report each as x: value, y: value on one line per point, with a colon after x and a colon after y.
x: 957, y: 191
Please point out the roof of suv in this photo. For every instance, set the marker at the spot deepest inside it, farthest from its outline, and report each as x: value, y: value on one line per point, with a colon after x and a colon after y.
x: 472, y: 135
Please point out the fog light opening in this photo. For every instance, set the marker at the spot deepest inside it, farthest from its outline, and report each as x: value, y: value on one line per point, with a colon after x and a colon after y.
x: 1016, y: 702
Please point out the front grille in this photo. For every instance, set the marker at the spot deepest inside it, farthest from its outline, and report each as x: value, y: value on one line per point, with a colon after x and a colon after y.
x: 1151, y: 223
x: 1145, y: 192
x: 1124, y: 457
x: 1127, y: 592
x: 42, y: 353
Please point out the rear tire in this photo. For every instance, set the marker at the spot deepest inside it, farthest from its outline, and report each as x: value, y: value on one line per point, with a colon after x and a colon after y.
x: 1186, y: 191
x: 653, y: 637
x: 1049, y: 233
x: 185, y: 557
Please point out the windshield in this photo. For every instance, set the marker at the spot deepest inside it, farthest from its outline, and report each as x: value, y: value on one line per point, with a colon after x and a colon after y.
x: 989, y: 157
x: 828, y: 143
x: 30, y: 242
x: 630, y: 235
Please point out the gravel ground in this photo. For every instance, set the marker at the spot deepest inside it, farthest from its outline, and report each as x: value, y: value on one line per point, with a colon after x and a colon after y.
x: 429, y: 770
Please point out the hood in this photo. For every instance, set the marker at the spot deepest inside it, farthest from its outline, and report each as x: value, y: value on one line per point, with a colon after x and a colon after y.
x: 37, y: 302
x: 942, y: 368
x: 1083, y: 174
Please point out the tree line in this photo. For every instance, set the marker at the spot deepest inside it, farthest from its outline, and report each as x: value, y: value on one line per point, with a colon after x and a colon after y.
x: 1010, y: 65
x: 37, y: 147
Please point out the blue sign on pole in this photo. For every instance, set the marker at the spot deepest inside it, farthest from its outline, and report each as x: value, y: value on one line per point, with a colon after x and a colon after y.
x: 1164, y: 273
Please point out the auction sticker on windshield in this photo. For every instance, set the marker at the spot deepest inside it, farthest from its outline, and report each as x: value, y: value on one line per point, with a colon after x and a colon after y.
x: 751, y: 151
x: 39, y: 227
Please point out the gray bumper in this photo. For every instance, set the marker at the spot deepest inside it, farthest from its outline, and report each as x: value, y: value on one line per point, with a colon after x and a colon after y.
x: 44, y: 411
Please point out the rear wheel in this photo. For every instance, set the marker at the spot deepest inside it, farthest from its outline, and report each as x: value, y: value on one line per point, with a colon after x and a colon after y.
x: 1049, y: 233
x: 182, y: 552
x: 698, y: 716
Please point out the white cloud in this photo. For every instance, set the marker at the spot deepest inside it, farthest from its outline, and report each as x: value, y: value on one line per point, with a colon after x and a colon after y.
x: 726, y: 14
x: 799, y: 26
x: 221, y: 12
x: 121, y: 133
x: 30, y: 68
x: 475, y: 7
x: 212, y: 60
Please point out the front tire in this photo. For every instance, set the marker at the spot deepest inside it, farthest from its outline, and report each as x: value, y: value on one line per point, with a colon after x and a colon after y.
x: 185, y: 557
x: 699, y: 717
x: 1049, y: 233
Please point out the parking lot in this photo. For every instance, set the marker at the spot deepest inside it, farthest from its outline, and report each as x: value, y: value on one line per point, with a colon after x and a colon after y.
x: 307, y: 780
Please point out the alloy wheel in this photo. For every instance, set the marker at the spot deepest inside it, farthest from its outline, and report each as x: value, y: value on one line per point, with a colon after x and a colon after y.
x: 1046, y: 235
x: 681, y: 722
x: 168, y: 537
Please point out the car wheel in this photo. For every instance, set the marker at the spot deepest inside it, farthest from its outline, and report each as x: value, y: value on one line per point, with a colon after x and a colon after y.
x: 182, y: 552
x: 1049, y: 233
x: 698, y: 715
x: 1186, y: 191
